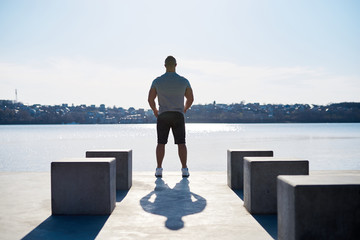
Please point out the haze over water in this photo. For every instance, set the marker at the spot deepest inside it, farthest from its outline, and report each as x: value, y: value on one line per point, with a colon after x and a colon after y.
x: 326, y: 146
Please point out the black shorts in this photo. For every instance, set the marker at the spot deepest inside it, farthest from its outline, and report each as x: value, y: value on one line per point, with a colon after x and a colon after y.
x: 173, y: 120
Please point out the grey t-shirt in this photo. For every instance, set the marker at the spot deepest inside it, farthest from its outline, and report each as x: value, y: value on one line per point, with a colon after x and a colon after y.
x: 170, y: 88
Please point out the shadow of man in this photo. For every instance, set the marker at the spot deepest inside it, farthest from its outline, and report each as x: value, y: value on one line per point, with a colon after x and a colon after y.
x: 173, y: 203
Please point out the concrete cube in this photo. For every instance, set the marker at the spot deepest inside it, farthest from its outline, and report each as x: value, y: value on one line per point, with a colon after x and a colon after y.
x: 235, y: 165
x: 260, y: 181
x: 83, y: 186
x: 123, y: 165
x: 318, y: 207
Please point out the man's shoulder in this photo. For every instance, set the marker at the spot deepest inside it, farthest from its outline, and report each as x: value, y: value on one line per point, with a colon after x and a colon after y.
x: 185, y: 80
x: 159, y: 78
x: 169, y: 76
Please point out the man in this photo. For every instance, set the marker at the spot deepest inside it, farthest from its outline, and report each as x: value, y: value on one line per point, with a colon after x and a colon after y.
x: 170, y: 88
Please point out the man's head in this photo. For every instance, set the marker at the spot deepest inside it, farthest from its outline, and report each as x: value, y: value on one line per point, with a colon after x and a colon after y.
x: 170, y: 64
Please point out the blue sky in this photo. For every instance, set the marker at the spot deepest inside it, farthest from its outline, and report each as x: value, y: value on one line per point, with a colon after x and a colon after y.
x: 94, y: 52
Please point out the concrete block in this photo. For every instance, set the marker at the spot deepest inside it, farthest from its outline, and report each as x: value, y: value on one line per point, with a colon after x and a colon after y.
x: 235, y: 165
x: 260, y: 181
x: 319, y: 207
x: 83, y: 186
x: 123, y: 165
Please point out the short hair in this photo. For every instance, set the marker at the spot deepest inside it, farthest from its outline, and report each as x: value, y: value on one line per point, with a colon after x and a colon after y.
x: 170, y: 61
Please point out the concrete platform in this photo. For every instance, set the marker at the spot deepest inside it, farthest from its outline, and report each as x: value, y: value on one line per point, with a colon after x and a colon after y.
x: 123, y: 165
x: 83, y: 186
x: 319, y: 207
x: 202, y: 207
x: 260, y: 174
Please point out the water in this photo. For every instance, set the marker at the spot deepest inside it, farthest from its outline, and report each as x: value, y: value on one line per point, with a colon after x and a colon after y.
x: 326, y: 146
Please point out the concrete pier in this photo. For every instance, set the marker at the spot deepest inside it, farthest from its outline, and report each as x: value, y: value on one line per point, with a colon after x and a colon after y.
x: 202, y: 207
x: 235, y: 165
x: 123, y: 165
x: 215, y: 211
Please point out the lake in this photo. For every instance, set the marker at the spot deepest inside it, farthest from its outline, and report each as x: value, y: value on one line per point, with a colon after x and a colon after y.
x: 333, y: 146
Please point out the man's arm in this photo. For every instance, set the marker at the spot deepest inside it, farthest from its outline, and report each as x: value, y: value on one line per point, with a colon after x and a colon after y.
x: 151, y: 100
x: 189, y: 99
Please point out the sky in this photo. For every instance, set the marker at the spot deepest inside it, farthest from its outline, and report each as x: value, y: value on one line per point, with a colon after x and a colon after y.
x: 109, y: 52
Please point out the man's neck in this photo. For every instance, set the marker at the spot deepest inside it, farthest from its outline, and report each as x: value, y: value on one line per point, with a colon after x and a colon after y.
x: 170, y: 70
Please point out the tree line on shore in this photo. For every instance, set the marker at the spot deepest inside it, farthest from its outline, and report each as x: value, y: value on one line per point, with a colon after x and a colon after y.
x: 18, y: 113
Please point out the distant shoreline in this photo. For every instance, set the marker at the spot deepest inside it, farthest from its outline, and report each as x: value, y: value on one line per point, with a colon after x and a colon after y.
x: 16, y: 113
x: 112, y: 124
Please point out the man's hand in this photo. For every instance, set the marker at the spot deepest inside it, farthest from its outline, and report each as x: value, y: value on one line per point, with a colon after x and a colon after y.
x: 156, y: 113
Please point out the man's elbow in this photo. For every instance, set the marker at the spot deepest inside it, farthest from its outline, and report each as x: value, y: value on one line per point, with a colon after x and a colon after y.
x: 151, y: 98
x: 190, y: 99
x: 151, y: 102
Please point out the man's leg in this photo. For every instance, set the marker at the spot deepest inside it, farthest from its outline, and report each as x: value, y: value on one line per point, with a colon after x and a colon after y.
x: 162, y: 128
x: 182, y: 151
x: 160, y: 153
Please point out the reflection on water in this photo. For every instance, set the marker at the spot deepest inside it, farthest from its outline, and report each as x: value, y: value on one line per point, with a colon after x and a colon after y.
x: 326, y: 146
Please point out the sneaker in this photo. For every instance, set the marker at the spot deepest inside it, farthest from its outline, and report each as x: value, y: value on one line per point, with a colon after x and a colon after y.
x: 185, y: 172
x: 158, y: 172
